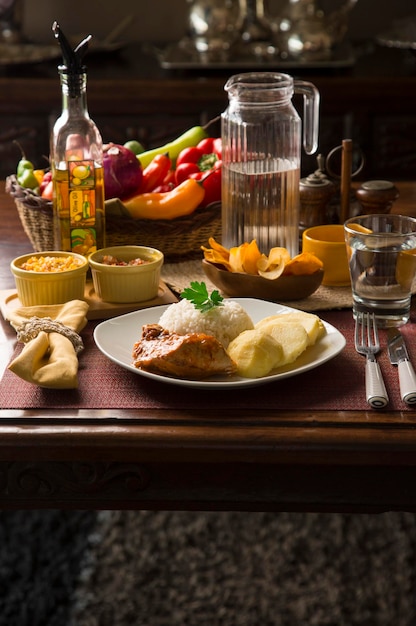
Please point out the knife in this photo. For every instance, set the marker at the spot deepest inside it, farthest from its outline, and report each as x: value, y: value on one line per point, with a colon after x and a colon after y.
x: 399, y: 356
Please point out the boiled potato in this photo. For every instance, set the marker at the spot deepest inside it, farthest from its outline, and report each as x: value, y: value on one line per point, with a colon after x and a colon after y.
x: 275, y: 341
x: 292, y: 337
x: 255, y: 353
x: 311, y: 323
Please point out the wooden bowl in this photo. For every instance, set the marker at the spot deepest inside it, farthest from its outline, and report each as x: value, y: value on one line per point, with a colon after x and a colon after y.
x: 284, y: 288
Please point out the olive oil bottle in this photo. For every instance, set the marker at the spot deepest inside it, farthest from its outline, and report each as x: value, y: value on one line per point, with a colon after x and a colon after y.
x: 76, y: 157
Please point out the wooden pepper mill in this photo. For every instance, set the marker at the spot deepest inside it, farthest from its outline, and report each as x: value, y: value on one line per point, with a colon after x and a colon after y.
x: 315, y: 192
x: 377, y: 196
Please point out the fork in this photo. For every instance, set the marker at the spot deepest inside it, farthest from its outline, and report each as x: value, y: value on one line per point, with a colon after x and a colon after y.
x: 367, y: 343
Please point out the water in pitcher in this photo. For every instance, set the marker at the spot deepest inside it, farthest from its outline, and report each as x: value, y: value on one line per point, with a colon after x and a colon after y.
x: 261, y: 201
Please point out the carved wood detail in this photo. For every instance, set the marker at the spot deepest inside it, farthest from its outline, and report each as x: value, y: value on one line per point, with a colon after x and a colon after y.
x: 67, y: 481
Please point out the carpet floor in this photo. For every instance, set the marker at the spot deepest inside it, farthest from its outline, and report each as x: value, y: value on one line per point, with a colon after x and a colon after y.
x: 115, y: 568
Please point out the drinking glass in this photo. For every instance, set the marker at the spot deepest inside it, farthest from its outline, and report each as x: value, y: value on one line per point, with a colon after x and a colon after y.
x: 381, y: 252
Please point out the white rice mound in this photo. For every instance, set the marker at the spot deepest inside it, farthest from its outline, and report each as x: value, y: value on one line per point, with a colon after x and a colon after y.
x: 224, y: 322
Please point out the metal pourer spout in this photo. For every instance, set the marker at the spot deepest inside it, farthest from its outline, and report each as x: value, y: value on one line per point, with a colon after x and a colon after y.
x: 73, y: 60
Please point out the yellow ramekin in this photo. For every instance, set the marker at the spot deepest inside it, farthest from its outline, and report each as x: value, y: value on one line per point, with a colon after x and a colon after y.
x: 36, y: 288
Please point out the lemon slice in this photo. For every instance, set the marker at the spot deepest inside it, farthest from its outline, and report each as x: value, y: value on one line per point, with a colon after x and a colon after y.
x: 359, y: 229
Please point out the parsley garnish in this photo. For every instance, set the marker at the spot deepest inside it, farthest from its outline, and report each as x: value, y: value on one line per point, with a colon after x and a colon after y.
x: 198, y: 294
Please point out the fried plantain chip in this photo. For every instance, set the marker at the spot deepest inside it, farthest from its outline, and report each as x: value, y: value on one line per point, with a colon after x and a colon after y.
x: 217, y: 254
x: 236, y: 258
x: 303, y: 264
x: 248, y: 259
x: 250, y: 254
x: 272, y: 266
x: 218, y: 247
x: 212, y: 256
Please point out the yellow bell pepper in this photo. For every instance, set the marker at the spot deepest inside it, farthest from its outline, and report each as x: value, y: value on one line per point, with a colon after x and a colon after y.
x: 182, y: 200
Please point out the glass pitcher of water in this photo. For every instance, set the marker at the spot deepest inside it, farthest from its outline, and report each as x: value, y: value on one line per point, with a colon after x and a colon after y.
x: 261, y: 137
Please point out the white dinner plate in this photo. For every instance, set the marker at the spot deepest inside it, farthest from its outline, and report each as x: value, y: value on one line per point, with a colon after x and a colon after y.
x: 116, y: 338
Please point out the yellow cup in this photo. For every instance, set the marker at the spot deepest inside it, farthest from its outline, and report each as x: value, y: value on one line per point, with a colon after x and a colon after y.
x: 327, y: 242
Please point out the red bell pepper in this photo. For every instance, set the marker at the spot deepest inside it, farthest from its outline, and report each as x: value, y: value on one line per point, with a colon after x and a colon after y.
x: 189, y: 155
x: 184, y: 171
x: 203, y: 163
x: 211, y: 145
x: 211, y: 182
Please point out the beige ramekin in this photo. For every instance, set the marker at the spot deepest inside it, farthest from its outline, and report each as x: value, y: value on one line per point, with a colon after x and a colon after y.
x: 127, y: 283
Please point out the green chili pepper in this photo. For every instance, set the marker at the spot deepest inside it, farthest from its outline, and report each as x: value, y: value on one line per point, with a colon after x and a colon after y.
x: 190, y: 138
x: 23, y: 166
x: 28, y: 179
x: 25, y: 171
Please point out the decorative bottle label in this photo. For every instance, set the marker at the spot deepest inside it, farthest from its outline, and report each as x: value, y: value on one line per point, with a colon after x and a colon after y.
x: 79, y: 200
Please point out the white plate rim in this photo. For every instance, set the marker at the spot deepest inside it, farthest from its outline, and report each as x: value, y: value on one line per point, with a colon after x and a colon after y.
x: 327, y: 348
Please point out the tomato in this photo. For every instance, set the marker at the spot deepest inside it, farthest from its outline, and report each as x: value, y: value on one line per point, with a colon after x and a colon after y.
x: 184, y: 171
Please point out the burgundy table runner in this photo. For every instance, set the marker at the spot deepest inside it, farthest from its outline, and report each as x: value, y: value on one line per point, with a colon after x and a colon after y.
x: 336, y: 385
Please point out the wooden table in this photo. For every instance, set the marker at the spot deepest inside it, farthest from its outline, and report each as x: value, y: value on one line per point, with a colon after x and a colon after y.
x: 203, y: 459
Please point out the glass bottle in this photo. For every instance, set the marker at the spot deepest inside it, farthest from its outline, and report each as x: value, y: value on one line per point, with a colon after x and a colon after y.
x: 261, y: 136
x: 76, y: 157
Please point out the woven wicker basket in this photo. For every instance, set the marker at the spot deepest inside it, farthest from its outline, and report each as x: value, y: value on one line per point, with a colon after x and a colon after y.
x: 178, y: 239
x: 36, y: 215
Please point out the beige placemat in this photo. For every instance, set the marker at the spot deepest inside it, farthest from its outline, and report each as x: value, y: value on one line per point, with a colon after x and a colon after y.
x: 179, y: 275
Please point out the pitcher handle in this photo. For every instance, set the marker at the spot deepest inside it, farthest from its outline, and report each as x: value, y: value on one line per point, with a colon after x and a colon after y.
x: 311, y: 99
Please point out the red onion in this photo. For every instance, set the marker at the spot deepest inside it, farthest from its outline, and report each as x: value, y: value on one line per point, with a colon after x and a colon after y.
x: 122, y: 172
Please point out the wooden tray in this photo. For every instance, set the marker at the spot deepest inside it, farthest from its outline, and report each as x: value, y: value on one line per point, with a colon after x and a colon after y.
x: 97, y: 308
